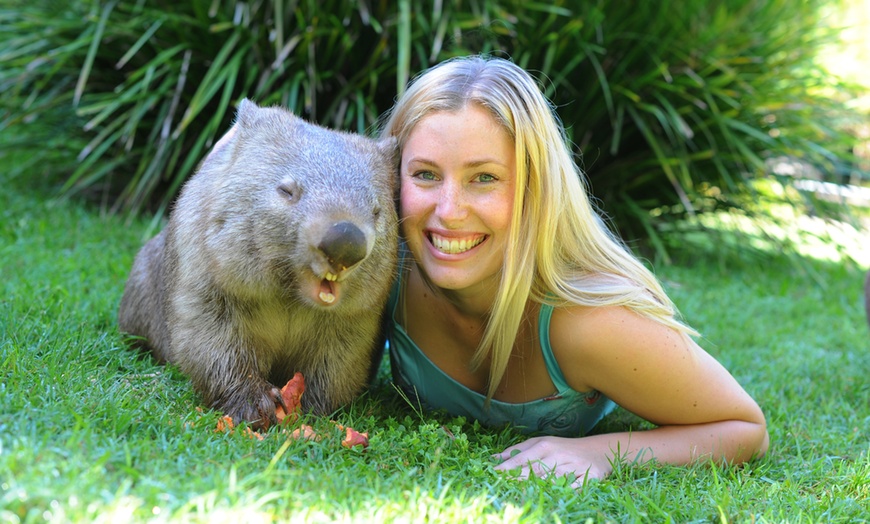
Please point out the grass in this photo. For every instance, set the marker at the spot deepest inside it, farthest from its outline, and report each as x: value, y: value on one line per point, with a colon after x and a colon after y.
x: 91, y: 431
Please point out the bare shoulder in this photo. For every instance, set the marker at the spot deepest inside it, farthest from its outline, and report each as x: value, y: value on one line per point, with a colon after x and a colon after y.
x: 645, y: 366
x: 611, y: 333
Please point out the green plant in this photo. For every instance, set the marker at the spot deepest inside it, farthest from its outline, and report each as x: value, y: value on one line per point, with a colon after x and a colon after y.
x: 672, y: 106
x: 155, y: 82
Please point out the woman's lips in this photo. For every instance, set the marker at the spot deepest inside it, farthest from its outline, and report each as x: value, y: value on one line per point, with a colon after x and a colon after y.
x: 455, y: 245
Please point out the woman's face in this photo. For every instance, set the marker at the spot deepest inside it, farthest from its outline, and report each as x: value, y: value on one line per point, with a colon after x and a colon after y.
x: 458, y: 173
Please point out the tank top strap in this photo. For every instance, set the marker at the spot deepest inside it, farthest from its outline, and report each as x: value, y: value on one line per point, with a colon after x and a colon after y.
x: 398, y: 287
x: 553, y: 368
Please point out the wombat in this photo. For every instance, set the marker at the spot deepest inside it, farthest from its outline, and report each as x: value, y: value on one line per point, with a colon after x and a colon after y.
x: 278, y: 257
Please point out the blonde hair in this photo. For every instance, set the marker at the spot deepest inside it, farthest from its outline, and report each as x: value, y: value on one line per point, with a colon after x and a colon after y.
x: 559, y: 250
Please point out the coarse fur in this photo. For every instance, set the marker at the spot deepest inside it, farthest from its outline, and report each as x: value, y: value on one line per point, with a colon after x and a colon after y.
x: 278, y: 257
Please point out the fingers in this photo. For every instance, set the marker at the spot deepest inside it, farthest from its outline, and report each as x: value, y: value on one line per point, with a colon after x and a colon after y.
x: 516, y: 449
x: 549, y: 458
x: 279, y: 399
x: 531, y: 449
x: 540, y: 469
x: 580, y: 481
x: 524, y: 459
x: 525, y: 464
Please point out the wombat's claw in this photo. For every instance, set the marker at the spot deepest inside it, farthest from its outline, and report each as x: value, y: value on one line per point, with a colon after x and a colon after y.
x: 279, y: 399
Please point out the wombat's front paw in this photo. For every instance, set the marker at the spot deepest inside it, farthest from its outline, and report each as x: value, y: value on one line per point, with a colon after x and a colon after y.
x: 254, y: 405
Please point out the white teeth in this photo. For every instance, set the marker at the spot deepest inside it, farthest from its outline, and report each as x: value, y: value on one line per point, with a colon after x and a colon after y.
x: 326, y: 294
x: 453, y: 247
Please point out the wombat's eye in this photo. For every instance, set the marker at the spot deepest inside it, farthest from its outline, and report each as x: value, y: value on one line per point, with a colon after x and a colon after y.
x: 377, y: 212
x: 289, y: 190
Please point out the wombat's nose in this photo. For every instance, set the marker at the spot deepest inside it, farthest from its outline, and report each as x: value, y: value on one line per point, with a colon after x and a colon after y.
x: 344, y: 245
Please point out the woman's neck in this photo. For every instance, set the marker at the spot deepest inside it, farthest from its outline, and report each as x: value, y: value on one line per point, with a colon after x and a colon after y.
x: 472, y: 303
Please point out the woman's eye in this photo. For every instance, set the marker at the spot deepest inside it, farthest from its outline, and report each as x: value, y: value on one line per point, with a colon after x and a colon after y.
x: 424, y: 175
x: 486, y: 177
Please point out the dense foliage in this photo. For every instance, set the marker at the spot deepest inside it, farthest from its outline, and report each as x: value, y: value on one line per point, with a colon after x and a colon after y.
x: 672, y: 106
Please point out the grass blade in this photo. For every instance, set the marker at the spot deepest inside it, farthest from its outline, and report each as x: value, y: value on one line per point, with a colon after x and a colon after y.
x: 92, y: 51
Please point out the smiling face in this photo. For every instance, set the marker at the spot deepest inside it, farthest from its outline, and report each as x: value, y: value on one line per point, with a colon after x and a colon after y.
x: 458, y: 173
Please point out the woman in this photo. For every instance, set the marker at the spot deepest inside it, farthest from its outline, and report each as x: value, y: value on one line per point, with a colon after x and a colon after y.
x: 515, y: 303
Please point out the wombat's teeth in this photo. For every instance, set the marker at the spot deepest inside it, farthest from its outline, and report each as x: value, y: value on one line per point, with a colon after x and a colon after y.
x: 330, y: 277
x: 453, y: 247
x: 329, y: 298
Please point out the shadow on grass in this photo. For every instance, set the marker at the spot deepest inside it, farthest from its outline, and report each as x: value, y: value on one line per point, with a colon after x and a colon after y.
x: 723, y: 247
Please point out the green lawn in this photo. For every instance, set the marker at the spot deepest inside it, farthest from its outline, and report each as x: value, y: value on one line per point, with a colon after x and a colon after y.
x: 90, y: 431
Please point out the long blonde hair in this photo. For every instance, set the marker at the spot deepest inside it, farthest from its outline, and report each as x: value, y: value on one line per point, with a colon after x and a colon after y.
x: 559, y: 250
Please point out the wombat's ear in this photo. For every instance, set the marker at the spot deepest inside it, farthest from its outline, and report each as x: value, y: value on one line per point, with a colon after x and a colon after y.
x: 247, y: 113
x: 244, y: 117
x: 389, y: 149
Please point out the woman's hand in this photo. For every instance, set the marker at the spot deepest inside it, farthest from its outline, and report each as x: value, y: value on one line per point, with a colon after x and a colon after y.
x: 557, y: 457
x: 593, y: 457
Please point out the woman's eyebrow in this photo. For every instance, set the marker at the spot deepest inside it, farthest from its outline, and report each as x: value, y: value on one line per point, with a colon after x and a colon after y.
x: 481, y: 162
x: 422, y: 160
x: 470, y: 163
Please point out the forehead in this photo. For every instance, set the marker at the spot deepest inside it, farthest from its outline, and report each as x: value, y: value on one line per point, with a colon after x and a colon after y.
x: 470, y: 130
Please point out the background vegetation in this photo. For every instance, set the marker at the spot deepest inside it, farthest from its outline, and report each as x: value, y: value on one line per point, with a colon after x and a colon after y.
x: 673, y: 107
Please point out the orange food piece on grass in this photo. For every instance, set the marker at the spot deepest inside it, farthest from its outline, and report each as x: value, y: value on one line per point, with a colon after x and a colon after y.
x: 353, y: 438
x: 225, y: 423
x: 292, y: 395
x: 304, y: 431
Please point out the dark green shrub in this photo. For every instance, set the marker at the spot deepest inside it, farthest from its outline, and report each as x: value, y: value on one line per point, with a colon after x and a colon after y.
x: 674, y: 105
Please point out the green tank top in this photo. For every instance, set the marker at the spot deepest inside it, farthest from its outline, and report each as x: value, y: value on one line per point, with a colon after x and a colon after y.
x: 565, y: 413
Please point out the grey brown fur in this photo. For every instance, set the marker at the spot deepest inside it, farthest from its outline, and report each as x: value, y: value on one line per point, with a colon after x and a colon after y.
x: 235, y: 290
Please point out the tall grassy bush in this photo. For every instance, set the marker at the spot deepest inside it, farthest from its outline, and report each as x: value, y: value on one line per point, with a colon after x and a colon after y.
x: 672, y: 106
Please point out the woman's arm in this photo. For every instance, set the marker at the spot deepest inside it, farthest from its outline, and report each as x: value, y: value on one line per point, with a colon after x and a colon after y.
x: 656, y: 373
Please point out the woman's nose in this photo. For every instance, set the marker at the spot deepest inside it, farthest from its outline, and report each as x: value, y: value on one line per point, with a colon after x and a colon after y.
x: 451, y: 202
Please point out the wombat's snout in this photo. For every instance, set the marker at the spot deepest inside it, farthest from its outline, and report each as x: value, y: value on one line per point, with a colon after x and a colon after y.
x: 344, y: 245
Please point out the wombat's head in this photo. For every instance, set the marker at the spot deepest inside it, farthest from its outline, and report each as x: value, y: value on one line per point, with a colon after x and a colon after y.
x: 303, y: 211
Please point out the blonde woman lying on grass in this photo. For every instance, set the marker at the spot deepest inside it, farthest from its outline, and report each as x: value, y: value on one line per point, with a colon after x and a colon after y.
x: 515, y: 304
